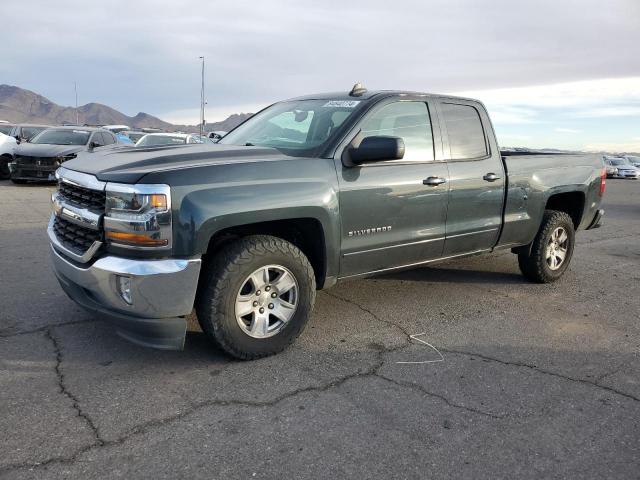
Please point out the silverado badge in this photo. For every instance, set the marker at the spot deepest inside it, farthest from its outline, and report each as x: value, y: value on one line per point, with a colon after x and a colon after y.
x: 368, y: 231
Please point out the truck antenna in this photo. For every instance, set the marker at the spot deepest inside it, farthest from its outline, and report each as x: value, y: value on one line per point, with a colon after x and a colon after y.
x: 357, y: 90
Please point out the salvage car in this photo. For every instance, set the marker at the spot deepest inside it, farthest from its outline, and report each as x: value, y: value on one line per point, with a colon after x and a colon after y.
x: 134, y: 135
x: 8, y: 146
x: 24, y: 132
x: 624, y: 168
x: 216, y: 135
x: 306, y: 193
x: 160, y: 139
x: 633, y: 160
x: 6, y: 128
x: 116, y: 128
x: 39, y: 159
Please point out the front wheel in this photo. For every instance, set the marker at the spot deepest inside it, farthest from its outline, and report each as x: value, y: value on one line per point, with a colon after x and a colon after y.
x: 256, y: 296
x: 551, y: 250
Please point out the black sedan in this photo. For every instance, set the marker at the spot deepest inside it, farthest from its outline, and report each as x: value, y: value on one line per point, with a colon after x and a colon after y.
x: 39, y: 159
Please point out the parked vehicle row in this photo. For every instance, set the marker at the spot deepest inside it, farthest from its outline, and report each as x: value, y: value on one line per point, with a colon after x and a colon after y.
x: 33, y: 152
x: 158, y: 139
x: 41, y: 157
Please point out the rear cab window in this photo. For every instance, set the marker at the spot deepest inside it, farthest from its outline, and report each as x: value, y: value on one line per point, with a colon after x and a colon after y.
x: 467, y: 139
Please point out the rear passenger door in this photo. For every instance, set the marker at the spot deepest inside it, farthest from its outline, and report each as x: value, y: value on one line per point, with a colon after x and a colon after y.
x: 390, y: 217
x: 476, y: 178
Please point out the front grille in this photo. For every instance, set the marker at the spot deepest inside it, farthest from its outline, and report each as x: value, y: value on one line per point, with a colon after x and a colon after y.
x: 82, y: 197
x: 38, y: 161
x: 74, y: 237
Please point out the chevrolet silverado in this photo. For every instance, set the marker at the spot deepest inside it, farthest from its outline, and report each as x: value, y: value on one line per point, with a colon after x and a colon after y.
x: 305, y: 193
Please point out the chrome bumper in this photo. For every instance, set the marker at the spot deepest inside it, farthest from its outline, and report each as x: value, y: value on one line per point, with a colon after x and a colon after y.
x: 162, y: 293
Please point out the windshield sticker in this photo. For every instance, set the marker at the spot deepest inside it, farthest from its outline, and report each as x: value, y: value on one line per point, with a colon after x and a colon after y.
x: 342, y: 103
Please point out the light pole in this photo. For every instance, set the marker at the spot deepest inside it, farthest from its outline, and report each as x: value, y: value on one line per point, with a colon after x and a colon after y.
x: 75, y: 86
x: 202, y: 100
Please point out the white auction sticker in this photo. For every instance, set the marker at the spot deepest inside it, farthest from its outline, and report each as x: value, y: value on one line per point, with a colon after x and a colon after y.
x: 342, y: 103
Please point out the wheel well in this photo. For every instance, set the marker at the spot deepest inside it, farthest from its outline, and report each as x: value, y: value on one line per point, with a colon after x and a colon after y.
x: 305, y: 233
x: 571, y: 203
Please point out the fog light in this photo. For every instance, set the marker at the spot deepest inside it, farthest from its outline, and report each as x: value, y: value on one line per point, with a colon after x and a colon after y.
x: 124, y: 288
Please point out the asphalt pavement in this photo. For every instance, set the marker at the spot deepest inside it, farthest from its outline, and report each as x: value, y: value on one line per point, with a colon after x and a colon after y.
x: 533, y: 381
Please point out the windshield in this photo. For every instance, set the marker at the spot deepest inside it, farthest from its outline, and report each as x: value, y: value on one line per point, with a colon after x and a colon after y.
x: 30, y: 132
x: 155, y: 140
x: 617, y: 161
x: 135, y: 136
x: 62, y: 137
x: 6, y: 129
x: 300, y: 127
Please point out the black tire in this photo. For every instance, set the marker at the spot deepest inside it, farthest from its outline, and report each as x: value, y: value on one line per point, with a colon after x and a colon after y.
x: 18, y: 181
x: 5, y: 174
x: 224, y: 275
x: 533, y: 262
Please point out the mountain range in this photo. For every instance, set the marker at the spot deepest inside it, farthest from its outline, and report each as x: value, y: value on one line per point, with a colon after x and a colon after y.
x: 18, y: 105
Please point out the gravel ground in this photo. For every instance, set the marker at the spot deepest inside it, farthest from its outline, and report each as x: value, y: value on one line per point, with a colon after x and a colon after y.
x: 537, y: 381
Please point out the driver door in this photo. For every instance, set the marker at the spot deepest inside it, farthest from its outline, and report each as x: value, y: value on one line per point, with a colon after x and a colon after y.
x: 390, y: 216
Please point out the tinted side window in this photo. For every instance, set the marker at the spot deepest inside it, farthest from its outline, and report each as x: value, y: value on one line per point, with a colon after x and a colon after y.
x: 466, y: 135
x: 97, y: 139
x: 108, y: 138
x: 407, y: 120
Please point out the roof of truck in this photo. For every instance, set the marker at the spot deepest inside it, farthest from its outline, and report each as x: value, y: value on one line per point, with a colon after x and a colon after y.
x: 369, y: 94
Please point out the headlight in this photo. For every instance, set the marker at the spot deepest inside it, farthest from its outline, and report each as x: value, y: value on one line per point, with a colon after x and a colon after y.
x: 138, y: 216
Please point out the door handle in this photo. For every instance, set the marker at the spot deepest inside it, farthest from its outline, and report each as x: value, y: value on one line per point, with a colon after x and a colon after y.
x: 433, y: 181
x: 491, y: 177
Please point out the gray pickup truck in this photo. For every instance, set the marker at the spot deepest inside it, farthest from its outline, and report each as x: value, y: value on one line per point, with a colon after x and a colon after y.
x: 307, y: 192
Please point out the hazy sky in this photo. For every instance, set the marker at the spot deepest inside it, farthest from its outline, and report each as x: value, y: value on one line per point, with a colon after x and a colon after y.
x: 562, y: 73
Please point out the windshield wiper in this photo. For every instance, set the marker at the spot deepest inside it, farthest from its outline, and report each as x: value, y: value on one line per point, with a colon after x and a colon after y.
x: 249, y: 144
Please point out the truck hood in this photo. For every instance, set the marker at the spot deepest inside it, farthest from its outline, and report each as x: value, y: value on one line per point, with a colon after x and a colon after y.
x: 129, y: 164
x: 47, y: 150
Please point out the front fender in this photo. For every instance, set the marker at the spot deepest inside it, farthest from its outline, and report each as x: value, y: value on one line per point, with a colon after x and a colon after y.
x: 307, y: 190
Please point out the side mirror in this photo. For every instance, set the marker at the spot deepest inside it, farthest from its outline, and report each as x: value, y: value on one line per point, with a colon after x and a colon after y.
x: 18, y: 139
x: 377, y: 149
x: 93, y: 145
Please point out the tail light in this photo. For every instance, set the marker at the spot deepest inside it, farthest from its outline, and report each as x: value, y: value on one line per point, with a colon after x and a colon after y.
x: 603, y: 181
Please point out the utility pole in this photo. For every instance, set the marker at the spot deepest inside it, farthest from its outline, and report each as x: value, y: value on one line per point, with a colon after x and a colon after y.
x: 75, y: 85
x: 202, y: 100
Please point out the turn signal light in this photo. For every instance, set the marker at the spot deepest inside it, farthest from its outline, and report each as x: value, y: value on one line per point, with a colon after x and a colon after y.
x: 603, y: 181
x: 158, y: 201
x: 136, y: 239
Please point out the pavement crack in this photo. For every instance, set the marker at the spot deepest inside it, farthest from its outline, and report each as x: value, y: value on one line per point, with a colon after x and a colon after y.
x: 423, y: 390
x: 145, y: 427
x: 543, y: 371
x: 44, y: 328
x: 375, y: 317
x: 65, y: 391
x: 610, y: 373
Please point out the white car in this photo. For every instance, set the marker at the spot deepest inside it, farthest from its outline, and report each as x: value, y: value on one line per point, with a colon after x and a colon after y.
x: 624, y: 168
x: 633, y: 160
x: 116, y: 128
x: 217, y: 135
x: 8, y: 146
x: 160, y: 139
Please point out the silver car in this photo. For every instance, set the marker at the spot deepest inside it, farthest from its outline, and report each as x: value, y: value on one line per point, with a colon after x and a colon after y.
x: 624, y: 167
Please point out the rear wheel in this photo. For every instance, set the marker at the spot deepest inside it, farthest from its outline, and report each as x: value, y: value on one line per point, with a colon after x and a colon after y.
x: 256, y: 296
x: 551, y: 250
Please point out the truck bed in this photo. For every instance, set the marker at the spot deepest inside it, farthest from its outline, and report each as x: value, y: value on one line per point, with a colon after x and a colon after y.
x: 535, y: 177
